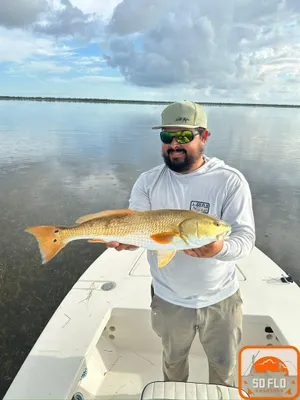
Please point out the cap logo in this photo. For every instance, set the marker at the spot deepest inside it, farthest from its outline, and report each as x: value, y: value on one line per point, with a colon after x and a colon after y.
x: 180, y: 119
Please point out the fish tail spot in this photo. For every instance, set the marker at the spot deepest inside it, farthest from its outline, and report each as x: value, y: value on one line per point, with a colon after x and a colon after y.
x: 49, y: 240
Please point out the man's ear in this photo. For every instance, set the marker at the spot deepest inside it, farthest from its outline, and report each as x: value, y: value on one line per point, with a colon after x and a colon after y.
x: 205, y: 134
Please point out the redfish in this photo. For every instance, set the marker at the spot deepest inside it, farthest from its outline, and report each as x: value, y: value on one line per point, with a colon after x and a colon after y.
x: 165, y: 231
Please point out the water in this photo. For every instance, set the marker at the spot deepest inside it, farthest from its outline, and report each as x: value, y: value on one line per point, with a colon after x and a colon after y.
x: 59, y: 161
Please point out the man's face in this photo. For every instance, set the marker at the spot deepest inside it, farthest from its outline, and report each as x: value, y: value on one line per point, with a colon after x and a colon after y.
x: 183, y: 157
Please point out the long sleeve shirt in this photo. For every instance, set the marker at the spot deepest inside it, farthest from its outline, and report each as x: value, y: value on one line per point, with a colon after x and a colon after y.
x: 216, y: 189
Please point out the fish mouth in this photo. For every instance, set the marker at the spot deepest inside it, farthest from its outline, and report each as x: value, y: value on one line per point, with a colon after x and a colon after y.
x: 224, y: 235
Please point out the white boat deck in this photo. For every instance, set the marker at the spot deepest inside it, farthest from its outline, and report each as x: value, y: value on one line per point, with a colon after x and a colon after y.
x: 130, y: 384
x: 110, y: 333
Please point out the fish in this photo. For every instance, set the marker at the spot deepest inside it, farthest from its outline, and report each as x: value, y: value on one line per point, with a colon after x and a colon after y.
x: 164, y: 231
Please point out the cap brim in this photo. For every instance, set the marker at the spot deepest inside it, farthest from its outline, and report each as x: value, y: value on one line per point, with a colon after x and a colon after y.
x: 177, y: 126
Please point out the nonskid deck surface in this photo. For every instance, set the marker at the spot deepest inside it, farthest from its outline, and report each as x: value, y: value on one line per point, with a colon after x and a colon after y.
x: 132, y: 371
x: 131, y: 355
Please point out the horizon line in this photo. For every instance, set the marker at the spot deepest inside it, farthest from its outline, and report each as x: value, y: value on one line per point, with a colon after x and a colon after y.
x: 108, y: 100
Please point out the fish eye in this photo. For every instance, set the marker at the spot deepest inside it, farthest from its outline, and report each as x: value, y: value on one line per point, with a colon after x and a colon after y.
x: 217, y: 223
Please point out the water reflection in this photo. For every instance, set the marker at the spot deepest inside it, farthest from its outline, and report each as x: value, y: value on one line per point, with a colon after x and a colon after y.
x: 59, y: 161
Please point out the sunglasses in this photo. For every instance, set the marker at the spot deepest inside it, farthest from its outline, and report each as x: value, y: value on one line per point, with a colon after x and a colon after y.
x: 181, y: 137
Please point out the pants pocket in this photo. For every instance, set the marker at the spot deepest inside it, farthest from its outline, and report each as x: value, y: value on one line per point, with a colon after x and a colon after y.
x: 156, y: 318
x: 237, y: 297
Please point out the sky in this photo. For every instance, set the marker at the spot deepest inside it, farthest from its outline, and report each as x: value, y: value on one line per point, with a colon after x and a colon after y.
x: 233, y: 50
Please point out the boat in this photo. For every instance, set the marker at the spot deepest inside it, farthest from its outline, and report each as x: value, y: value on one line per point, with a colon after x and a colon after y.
x: 99, y: 343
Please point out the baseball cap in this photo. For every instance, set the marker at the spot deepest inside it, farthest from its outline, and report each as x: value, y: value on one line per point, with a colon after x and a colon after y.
x: 184, y: 114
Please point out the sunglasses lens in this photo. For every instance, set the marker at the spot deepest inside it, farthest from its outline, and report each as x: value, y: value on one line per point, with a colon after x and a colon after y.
x: 166, y: 137
x: 181, y: 137
x: 184, y: 137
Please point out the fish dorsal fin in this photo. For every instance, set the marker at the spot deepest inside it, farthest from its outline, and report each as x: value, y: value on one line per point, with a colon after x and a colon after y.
x: 105, y: 213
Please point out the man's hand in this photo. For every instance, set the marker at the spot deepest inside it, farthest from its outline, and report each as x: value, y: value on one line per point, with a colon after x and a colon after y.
x: 209, y: 250
x: 119, y: 246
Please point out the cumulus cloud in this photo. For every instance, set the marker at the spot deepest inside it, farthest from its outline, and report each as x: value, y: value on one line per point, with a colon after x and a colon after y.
x: 129, y: 17
x: 234, y: 49
x: 58, y: 18
x: 68, y: 20
x: 102, y: 8
x: 293, y: 4
x: 215, y: 46
x: 17, y: 45
x: 20, y: 13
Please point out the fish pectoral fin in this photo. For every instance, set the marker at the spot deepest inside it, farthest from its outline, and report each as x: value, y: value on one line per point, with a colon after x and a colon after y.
x: 96, y: 241
x: 163, y: 237
x: 105, y: 213
x: 164, y: 257
x: 184, y: 238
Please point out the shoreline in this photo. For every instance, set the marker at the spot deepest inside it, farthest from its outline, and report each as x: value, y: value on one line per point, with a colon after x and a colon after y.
x: 118, y: 101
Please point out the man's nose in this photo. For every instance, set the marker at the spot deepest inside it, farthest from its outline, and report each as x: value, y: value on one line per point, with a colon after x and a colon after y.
x: 174, y: 143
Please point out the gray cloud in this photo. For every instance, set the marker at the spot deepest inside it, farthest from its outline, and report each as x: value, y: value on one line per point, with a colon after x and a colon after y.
x: 20, y: 13
x: 216, y: 46
x: 129, y: 17
x: 293, y: 4
x: 70, y: 21
x: 258, y: 12
x: 41, y: 16
x: 176, y: 50
x: 242, y: 49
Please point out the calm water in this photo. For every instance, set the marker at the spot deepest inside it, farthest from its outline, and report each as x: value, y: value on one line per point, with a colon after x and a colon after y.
x: 59, y: 161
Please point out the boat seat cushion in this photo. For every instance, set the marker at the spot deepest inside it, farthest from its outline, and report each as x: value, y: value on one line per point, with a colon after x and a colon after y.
x: 189, y: 391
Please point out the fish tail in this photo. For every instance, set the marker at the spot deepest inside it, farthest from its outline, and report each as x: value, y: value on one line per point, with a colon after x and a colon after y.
x: 49, y: 240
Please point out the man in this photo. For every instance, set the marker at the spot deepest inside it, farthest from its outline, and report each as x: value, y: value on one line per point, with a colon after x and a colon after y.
x: 198, y: 291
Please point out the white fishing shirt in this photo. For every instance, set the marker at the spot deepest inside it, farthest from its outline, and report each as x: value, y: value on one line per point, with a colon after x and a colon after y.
x: 216, y: 189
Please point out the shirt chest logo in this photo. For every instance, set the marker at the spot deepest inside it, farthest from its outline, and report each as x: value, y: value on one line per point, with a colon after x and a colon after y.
x: 199, y: 206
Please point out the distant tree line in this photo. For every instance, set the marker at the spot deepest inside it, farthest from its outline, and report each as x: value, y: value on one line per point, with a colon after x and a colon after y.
x: 96, y: 100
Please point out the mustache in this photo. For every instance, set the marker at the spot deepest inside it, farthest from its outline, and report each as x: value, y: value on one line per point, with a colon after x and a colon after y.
x: 169, y: 151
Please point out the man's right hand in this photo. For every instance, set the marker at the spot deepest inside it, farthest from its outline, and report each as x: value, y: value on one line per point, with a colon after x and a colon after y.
x: 119, y: 246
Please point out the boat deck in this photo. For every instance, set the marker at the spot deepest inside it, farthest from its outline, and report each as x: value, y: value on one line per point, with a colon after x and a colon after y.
x: 132, y: 357
x: 128, y: 355
x: 122, y: 382
x: 67, y: 345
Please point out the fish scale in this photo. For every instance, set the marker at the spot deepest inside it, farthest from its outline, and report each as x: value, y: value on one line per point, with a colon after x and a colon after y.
x: 126, y: 226
x: 135, y: 231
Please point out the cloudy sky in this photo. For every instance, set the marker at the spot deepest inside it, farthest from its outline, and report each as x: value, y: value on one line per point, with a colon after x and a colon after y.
x: 233, y: 50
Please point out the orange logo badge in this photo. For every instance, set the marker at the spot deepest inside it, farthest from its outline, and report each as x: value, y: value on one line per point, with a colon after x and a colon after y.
x: 268, y: 372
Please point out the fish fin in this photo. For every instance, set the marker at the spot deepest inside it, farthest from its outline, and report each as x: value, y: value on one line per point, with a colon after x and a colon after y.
x: 96, y: 241
x: 164, y: 237
x: 164, y: 257
x: 215, y: 216
x: 184, y: 239
x: 105, y: 213
x: 49, y: 240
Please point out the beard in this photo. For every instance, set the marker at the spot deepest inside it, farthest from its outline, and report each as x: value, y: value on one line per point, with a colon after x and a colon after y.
x: 182, y: 164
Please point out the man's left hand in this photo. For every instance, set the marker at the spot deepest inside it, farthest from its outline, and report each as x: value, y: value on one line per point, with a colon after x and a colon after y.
x: 209, y: 250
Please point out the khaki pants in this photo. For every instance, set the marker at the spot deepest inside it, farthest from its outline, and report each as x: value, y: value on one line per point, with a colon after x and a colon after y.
x: 219, y: 327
